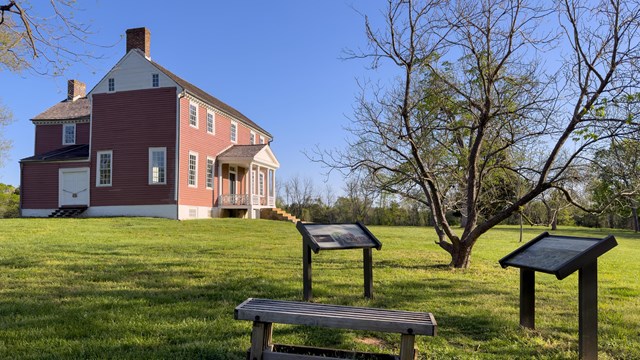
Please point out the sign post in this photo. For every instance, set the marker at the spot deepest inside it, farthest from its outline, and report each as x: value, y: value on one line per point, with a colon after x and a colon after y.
x: 317, y: 237
x: 562, y: 256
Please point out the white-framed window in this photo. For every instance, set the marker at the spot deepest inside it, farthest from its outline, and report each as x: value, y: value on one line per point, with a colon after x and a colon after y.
x: 104, y: 172
x: 157, y: 165
x: 193, y: 114
x: 252, y: 138
x: 271, y: 180
x: 155, y: 80
x: 261, y: 183
x: 111, y: 84
x: 68, y: 134
x: 193, y: 169
x: 261, y: 139
x: 210, y: 169
x: 211, y: 122
x: 253, y: 181
x: 234, y: 131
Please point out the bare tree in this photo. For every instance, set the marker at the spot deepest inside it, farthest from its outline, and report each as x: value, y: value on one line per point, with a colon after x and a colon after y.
x: 360, y: 195
x: 299, y: 194
x: 44, y: 38
x: 475, y: 110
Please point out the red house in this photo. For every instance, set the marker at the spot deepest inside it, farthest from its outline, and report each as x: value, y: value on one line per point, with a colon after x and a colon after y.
x: 144, y: 142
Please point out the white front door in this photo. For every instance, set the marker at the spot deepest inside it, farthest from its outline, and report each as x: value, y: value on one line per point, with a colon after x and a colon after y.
x: 74, y: 186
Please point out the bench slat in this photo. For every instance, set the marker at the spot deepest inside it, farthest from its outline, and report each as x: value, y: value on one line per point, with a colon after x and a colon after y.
x: 336, y: 316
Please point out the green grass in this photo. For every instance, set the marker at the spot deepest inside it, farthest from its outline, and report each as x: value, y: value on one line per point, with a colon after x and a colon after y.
x: 126, y: 288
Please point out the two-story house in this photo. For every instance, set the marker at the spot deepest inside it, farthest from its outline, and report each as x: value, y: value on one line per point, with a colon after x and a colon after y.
x: 145, y: 142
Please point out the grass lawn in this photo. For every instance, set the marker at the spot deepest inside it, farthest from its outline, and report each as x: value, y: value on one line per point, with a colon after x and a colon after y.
x: 126, y: 288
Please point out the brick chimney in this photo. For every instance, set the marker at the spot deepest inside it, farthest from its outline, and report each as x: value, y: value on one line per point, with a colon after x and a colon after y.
x: 139, y: 38
x: 75, y: 90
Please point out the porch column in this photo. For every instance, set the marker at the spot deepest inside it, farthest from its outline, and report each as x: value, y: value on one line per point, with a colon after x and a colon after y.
x: 219, y: 183
x: 273, y: 184
x: 251, y: 187
x: 258, y: 172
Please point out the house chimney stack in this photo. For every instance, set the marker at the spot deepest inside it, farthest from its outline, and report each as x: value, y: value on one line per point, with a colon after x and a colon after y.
x: 76, y: 89
x: 139, y: 38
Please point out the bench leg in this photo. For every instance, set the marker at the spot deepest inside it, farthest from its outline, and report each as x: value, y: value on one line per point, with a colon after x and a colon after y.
x: 260, y: 339
x: 407, y: 351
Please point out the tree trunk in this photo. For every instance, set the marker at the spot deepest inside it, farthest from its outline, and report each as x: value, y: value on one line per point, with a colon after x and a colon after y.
x: 521, y: 226
x: 636, y: 224
x: 461, y: 255
x: 554, y: 221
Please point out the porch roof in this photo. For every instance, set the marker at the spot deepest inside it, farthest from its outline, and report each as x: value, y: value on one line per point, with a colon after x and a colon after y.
x: 245, y: 154
x: 67, y: 153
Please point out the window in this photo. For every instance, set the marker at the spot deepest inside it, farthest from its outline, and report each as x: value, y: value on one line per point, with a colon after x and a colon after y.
x: 112, y: 84
x: 155, y: 80
x: 234, y: 131
x: 210, y: 168
x: 261, y: 139
x: 253, y: 181
x: 157, y: 165
x: 261, y: 183
x: 211, y: 127
x: 105, y: 166
x: 270, y: 180
x: 193, y: 169
x: 252, y: 138
x: 193, y: 115
x: 68, y: 134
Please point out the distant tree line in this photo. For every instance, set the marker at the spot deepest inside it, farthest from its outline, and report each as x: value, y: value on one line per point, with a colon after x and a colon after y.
x: 361, y: 201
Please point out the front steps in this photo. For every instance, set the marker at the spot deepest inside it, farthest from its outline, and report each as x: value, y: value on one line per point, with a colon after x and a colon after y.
x: 68, y: 212
x: 278, y: 214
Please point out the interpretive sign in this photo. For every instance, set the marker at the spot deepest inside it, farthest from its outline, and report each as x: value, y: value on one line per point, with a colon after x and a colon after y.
x: 337, y: 236
x: 317, y: 237
x: 558, y: 255
x: 562, y: 256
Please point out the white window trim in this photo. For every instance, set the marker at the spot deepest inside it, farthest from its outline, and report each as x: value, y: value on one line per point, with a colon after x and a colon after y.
x: 252, y: 138
x: 262, y: 139
x: 253, y: 182
x: 261, y: 184
x: 213, y: 119
x: 156, y: 76
x: 151, y: 151
x: 234, y: 140
x: 191, y: 103
x: 64, y: 134
x: 189, y: 170
x: 271, y: 180
x: 114, y: 85
x: 213, y: 168
x: 110, y: 152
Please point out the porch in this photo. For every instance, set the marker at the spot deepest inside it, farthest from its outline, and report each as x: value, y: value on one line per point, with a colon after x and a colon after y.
x: 246, y: 180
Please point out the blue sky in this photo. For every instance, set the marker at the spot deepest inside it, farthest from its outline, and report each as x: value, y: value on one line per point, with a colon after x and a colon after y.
x: 278, y: 62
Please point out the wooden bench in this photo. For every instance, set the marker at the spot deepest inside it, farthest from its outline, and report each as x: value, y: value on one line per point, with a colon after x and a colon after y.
x: 265, y: 312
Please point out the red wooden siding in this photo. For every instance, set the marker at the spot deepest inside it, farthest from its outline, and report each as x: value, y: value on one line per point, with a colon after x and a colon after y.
x: 39, y: 188
x: 49, y: 137
x: 129, y: 123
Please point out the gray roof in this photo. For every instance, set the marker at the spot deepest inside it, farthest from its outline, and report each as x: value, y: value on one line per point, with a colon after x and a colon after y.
x: 80, y: 109
x: 67, y: 153
x: 241, y: 151
x: 211, y: 100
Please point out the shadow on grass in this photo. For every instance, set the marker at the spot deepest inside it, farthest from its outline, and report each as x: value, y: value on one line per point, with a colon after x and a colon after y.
x: 128, y: 310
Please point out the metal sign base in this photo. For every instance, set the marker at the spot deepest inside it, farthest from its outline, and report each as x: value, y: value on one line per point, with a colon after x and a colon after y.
x: 587, y: 303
